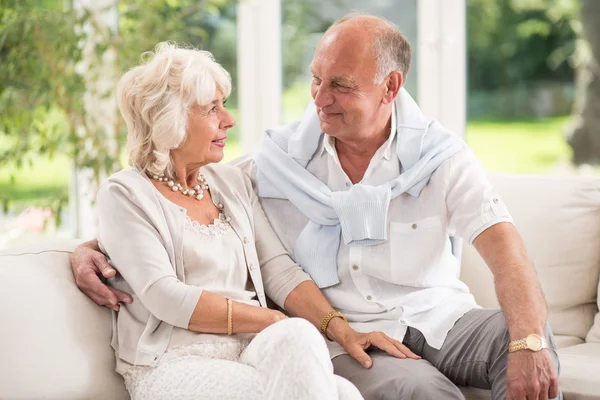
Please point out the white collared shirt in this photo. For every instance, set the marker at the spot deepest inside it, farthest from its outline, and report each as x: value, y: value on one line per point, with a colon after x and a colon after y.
x: 413, y: 278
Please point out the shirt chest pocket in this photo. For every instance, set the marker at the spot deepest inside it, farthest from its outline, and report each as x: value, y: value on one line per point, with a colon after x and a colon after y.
x: 415, y: 248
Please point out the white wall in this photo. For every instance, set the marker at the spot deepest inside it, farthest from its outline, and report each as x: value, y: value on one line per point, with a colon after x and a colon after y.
x: 442, y: 62
x: 259, y: 68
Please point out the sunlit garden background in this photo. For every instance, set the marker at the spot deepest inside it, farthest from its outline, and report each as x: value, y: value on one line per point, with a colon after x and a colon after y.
x: 528, y: 75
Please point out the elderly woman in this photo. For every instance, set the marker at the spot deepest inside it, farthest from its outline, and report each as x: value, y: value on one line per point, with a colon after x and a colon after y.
x: 192, y: 244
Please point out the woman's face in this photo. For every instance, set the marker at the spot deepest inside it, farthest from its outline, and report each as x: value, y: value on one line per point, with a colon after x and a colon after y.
x: 206, y: 134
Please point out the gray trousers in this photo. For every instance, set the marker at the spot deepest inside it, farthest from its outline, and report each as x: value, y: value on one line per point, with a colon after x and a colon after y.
x: 475, y: 353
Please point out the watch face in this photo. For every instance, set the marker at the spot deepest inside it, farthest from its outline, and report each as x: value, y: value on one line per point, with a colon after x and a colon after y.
x: 534, y: 342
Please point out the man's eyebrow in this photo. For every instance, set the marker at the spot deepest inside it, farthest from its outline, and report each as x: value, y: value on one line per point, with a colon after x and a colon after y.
x: 340, y: 80
x: 343, y: 80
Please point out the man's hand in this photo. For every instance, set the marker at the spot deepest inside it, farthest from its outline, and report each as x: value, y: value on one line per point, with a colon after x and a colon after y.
x: 355, y: 343
x: 90, y: 269
x: 531, y: 375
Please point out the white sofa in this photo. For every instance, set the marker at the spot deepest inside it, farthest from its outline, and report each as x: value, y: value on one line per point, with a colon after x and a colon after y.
x: 559, y: 219
x: 54, y: 342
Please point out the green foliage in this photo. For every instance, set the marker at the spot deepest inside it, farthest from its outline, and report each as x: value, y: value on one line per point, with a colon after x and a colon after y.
x: 514, y: 43
x: 39, y: 112
x: 36, y: 46
x: 46, y: 73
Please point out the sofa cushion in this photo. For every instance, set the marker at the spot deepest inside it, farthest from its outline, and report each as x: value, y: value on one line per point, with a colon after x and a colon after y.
x: 593, y: 335
x: 54, y: 341
x: 566, y: 341
x: 559, y: 219
x: 580, y: 371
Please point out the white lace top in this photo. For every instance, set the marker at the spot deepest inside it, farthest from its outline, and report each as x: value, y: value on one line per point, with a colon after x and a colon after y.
x: 213, y: 259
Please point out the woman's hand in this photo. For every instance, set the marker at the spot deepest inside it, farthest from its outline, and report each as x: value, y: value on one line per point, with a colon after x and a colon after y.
x: 253, y: 319
x: 273, y: 317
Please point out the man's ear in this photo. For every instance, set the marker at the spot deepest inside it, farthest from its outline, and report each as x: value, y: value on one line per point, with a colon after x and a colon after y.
x: 393, y: 83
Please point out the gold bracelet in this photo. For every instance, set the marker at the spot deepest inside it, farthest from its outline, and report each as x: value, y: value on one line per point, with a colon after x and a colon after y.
x: 327, y: 318
x: 229, y: 317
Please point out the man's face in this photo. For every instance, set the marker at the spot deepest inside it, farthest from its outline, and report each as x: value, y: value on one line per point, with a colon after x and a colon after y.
x: 346, y: 97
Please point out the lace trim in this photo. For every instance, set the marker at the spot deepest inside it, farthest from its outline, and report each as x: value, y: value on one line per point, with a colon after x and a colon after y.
x: 217, y: 229
x: 229, y: 350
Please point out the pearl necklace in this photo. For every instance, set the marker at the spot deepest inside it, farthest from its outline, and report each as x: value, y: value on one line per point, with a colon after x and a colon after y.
x: 197, y: 192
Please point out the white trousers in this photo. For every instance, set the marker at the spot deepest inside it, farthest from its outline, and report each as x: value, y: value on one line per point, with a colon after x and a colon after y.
x: 288, y: 360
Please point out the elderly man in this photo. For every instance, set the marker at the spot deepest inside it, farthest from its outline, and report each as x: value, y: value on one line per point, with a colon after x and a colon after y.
x: 366, y: 192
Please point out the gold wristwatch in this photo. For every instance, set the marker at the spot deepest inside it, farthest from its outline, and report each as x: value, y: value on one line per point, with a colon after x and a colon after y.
x: 327, y: 318
x: 532, y: 342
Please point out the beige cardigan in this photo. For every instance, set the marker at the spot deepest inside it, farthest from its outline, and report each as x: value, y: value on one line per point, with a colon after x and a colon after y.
x: 141, y: 232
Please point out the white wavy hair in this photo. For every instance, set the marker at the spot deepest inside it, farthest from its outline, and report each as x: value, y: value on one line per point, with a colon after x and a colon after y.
x: 154, y: 99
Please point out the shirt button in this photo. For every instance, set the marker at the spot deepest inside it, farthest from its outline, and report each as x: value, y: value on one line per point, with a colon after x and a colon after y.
x: 369, y: 298
x: 414, y: 226
x: 251, y: 266
x: 228, y: 219
x: 403, y: 322
x: 496, y: 200
x: 245, y: 240
x: 355, y: 267
x: 348, y: 184
x: 220, y: 205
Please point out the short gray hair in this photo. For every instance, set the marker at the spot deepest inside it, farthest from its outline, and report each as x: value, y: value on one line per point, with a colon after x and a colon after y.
x: 392, y: 49
x: 155, y: 97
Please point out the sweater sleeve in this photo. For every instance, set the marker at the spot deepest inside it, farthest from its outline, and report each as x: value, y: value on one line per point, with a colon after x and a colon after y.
x: 136, y: 250
x: 281, y: 275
